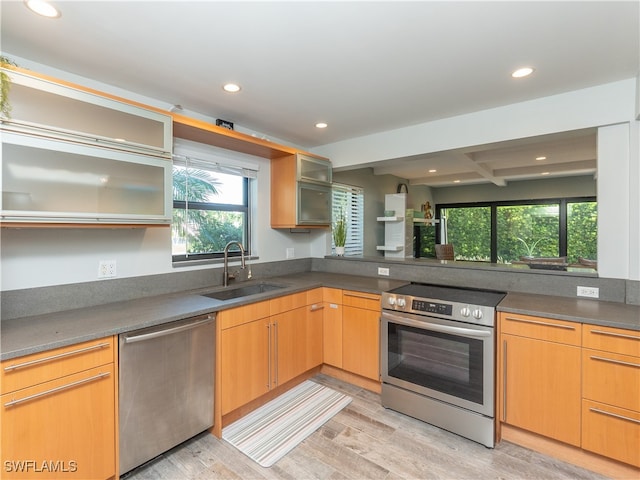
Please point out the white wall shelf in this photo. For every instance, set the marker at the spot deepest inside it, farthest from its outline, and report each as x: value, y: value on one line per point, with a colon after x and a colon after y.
x: 429, y: 221
x: 398, y: 229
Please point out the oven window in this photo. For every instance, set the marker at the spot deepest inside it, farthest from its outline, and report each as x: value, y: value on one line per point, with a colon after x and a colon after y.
x: 444, y: 362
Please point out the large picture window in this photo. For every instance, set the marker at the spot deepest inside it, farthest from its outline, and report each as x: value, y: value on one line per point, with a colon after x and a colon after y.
x: 210, y: 208
x: 504, y: 232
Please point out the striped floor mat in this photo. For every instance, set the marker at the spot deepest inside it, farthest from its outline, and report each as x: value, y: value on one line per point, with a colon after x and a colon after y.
x: 270, y: 432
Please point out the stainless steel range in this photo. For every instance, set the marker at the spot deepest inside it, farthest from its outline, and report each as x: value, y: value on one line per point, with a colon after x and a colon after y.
x: 437, y: 357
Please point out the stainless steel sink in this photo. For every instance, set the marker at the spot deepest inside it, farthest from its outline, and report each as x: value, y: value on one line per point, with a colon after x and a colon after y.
x: 239, y: 291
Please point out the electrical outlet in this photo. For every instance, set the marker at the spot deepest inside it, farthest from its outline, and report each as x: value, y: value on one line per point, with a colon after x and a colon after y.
x: 591, y: 292
x: 383, y: 271
x: 291, y: 253
x: 106, y: 268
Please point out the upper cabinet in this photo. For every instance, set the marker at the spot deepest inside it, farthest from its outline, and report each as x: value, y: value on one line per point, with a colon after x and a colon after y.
x: 300, y: 191
x: 45, y: 108
x: 72, y: 156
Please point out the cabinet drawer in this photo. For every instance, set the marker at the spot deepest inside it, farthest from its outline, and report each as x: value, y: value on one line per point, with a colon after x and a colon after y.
x: 314, y: 296
x: 239, y: 315
x: 612, y: 432
x: 287, y: 302
x: 625, y: 342
x: 369, y: 301
x: 559, y: 331
x: 68, y: 423
x: 332, y: 295
x: 612, y: 379
x: 40, y: 367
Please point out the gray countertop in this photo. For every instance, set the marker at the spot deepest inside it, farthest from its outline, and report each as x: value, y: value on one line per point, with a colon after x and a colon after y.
x: 581, y: 310
x: 26, y: 335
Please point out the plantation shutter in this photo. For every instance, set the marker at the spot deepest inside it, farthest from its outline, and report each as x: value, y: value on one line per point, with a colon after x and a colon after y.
x: 349, y: 200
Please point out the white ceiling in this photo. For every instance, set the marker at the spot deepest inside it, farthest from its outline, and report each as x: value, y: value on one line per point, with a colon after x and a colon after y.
x: 362, y: 67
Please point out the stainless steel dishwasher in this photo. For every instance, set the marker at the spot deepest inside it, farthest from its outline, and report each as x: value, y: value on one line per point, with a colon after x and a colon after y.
x: 165, y: 387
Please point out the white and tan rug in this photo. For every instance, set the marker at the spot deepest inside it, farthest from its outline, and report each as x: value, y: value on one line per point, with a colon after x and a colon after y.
x: 270, y: 432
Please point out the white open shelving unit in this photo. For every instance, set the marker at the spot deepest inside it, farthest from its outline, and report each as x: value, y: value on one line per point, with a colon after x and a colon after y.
x: 398, y: 229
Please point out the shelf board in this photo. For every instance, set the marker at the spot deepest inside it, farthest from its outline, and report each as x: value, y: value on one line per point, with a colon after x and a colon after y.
x: 390, y: 219
x: 390, y: 248
x: 431, y: 221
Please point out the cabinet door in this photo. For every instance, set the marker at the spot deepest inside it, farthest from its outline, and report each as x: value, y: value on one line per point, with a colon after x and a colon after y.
x: 541, y: 387
x: 244, y: 363
x: 64, y: 428
x: 53, y: 109
x: 332, y: 334
x: 314, y: 334
x: 290, y: 348
x: 360, y: 342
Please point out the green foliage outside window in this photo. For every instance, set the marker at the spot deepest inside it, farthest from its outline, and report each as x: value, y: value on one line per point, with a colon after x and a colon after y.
x: 522, y: 230
x: 202, y: 223
x: 469, y: 230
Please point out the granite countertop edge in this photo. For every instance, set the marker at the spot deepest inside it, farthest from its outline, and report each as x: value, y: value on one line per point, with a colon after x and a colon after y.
x: 27, y: 335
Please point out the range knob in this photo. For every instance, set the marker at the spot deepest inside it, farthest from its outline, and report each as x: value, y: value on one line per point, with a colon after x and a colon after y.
x: 402, y: 302
x: 477, y: 314
x: 391, y: 301
x: 465, y: 311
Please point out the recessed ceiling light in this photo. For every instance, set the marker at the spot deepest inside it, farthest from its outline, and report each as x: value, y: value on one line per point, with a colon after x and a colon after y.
x: 541, y: 158
x: 456, y: 181
x: 231, y: 87
x: 321, y: 125
x: 544, y: 173
x: 522, y: 72
x: 433, y: 170
x: 42, y: 7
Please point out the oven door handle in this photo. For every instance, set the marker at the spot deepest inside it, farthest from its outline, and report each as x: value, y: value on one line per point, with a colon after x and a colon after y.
x: 468, y: 332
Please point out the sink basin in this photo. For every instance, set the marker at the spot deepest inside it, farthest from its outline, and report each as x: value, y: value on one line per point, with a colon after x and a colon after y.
x: 239, y: 291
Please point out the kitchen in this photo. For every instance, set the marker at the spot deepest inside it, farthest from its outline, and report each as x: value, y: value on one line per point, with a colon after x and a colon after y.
x: 143, y: 263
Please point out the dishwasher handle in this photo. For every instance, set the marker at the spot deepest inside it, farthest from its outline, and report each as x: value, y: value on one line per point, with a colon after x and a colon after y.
x: 169, y: 331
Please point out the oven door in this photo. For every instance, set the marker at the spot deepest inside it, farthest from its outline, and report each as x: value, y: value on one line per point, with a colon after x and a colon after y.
x: 446, y: 360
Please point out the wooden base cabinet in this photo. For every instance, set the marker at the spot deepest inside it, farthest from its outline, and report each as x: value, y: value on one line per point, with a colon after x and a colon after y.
x: 332, y: 327
x: 611, y: 393
x: 265, y: 345
x: 361, y: 334
x: 65, y: 427
x: 540, y: 367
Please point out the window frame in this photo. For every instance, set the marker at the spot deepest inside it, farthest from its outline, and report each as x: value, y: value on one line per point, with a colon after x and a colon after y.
x: 562, y: 203
x: 355, y: 233
x: 224, y: 207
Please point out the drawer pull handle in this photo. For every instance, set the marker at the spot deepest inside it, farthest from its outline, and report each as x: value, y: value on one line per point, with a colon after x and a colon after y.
x: 55, y: 357
x: 315, y: 308
x: 613, y: 334
x: 57, y: 389
x: 621, y: 417
x: 361, y: 295
x: 611, y: 360
x: 537, y: 322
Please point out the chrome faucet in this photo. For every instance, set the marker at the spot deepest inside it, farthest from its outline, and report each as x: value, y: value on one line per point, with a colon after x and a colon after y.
x: 226, y: 276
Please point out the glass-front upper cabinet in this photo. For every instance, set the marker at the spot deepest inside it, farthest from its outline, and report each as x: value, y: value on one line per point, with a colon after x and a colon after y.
x: 311, y: 169
x: 54, y: 110
x: 46, y: 181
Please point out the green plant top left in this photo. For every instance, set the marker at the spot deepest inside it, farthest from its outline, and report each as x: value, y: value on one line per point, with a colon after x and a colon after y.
x: 340, y: 231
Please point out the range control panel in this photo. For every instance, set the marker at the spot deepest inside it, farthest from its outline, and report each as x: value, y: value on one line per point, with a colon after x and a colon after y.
x: 431, y: 307
x: 463, y: 312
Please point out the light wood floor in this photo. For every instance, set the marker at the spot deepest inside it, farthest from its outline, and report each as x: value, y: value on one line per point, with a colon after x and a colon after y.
x: 363, y: 441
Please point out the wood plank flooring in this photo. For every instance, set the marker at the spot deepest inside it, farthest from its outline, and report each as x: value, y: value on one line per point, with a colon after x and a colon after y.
x: 363, y: 441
